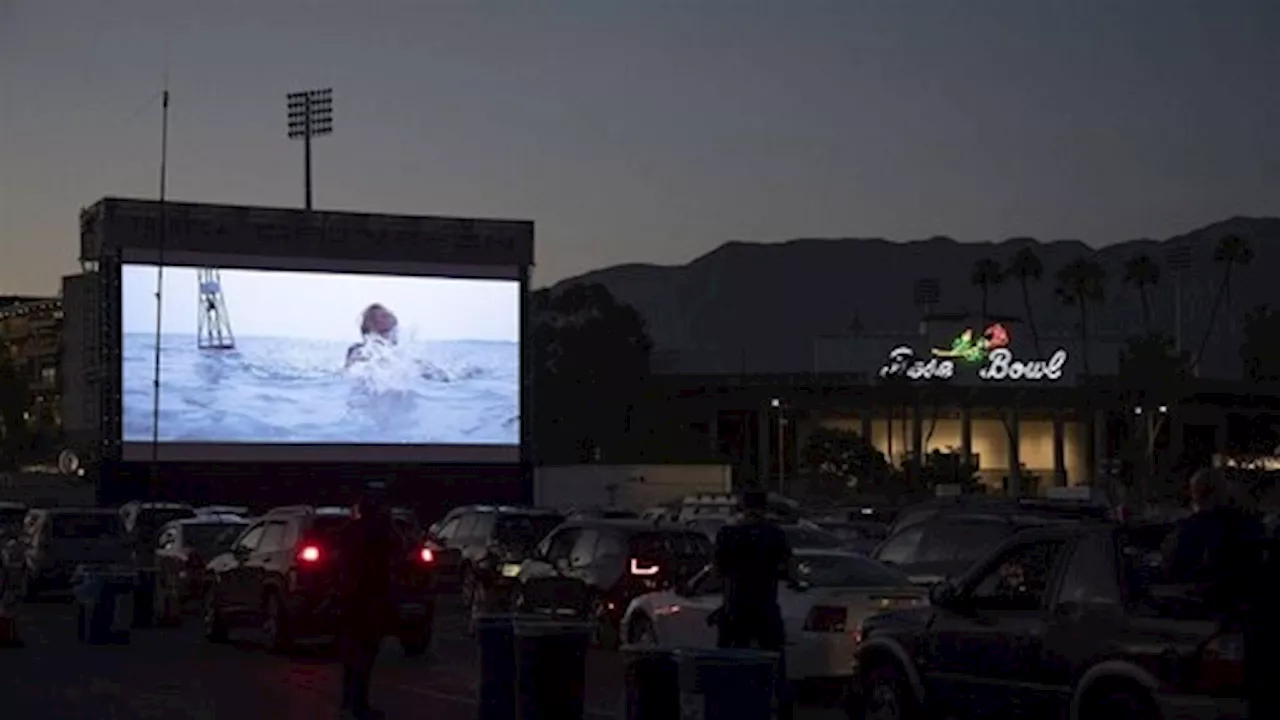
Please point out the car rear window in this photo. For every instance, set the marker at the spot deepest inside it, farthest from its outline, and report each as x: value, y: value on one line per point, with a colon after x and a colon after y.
x: 328, y: 528
x: 526, y: 530
x: 88, y: 526
x: 682, y: 544
x: 211, y: 539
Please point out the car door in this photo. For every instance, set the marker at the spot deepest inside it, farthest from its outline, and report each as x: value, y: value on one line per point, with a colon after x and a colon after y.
x: 986, y: 641
x: 260, y: 564
x: 1088, y: 616
x: 233, y: 578
x: 687, y: 621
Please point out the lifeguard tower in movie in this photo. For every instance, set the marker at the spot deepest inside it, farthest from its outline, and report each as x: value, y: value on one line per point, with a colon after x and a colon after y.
x: 214, y: 330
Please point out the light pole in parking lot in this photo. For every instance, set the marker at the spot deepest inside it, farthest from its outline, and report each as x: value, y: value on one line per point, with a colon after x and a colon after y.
x: 782, y: 445
x: 310, y: 116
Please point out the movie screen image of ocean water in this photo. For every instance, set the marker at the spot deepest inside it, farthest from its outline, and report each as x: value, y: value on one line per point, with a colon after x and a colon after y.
x: 291, y: 391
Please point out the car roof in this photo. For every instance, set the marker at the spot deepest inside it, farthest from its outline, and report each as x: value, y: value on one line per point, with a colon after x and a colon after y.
x: 827, y: 553
x: 630, y: 525
x: 212, y: 519
x: 78, y: 511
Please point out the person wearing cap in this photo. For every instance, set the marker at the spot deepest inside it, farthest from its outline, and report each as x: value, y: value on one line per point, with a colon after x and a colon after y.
x: 368, y: 545
x: 753, y: 556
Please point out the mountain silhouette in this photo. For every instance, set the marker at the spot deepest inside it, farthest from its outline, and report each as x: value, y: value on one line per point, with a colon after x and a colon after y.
x: 759, y: 307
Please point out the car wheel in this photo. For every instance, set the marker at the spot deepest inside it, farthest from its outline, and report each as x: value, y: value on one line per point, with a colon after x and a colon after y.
x: 215, y: 627
x: 275, y: 626
x: 641, y: 632
x: 886, y: 695
x: 1121, y: 704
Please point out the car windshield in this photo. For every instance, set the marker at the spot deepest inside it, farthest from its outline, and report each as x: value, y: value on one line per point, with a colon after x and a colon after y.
x: 210, y: 539
x: 89, y: 526
x: 851, y: 532
x: 524, y: 530
x: 799, y: 537
x: 847, y: 571
x: 681, y: 544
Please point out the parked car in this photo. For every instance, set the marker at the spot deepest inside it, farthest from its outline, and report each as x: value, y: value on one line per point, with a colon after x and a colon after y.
x: 142, y: 522
x: 185, y: 547
x: 859, y: 536
x: 58, y: 540
x: 476, y: 541
x: 1059, y: 621
x: 282, y: 576
x: 593, y: 569
x: 837, y: 590
x: 947, y: 544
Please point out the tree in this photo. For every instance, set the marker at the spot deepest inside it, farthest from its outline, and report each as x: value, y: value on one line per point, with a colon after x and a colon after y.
x: 841, y: 460
x: 987, y: 277
x: 1026, y: 267
x: 1141, y: 273
x: 948, y: 468
x: 1082, y: 283
x: 1231, y: 251
x: 1153, y: 378
x: 1260, y: 351
x: 590, y: 360
x: 15, y: 401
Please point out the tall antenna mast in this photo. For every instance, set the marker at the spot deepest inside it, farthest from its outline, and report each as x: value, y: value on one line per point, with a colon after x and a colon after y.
x: 162, y: 239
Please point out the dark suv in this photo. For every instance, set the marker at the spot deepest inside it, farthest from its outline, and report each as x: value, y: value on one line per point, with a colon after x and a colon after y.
x: 282, y: 577
x: 1064, y: 621
x: 477, y: 541
x: 595, y: 568
x: 947, y: 544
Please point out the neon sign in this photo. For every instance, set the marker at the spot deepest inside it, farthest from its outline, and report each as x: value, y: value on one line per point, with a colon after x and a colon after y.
x: 989, y: 351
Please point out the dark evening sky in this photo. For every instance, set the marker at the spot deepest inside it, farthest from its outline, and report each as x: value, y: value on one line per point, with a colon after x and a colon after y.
x: 652, y: 131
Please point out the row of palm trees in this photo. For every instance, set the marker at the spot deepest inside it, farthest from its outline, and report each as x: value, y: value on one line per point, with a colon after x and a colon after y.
x: 1082, y: 284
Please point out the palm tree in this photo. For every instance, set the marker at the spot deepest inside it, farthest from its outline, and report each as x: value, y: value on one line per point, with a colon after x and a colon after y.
x: 1081, y: 283
x: 1025, y: 265
x: 1141, y: 272
x: 1231, y: 251
x: 987, y: 276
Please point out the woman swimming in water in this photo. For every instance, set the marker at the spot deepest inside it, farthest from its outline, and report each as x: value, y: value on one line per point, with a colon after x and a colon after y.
x: 378, y: 326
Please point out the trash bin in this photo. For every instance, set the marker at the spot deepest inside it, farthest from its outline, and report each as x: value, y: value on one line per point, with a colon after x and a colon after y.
x: 652, y: 684
x: 726, y: 684
x: 495, y: 633
x: 551, y: 668
x: 144, y: 599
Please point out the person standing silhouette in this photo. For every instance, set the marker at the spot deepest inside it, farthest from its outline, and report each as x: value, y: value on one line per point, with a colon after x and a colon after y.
x: 368, y: 545
x: 753, y: 556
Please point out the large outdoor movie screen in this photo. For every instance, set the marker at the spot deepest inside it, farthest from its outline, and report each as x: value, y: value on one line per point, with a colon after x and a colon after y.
x: 281, y: 362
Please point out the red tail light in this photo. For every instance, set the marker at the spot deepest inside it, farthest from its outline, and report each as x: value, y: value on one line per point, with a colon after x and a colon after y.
x: 643, y: 569
x: 426, y: 555
x: 309, y: 554
x: 826, y: 619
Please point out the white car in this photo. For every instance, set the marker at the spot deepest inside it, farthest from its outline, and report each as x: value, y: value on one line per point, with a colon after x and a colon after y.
x: 837, y: 590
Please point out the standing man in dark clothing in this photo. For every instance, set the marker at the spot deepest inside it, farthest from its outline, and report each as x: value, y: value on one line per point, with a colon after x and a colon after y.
x: 753, y: 556
x: 368, y: 546
x: 1222, y: 550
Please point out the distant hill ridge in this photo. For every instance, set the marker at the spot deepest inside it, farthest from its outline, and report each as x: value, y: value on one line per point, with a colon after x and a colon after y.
x: 766, y: 302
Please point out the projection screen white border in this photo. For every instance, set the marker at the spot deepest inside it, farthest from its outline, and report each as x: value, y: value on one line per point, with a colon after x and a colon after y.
x: 187, y: 452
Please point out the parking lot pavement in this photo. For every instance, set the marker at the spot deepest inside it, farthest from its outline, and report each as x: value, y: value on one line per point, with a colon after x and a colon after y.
x: 175, y: 675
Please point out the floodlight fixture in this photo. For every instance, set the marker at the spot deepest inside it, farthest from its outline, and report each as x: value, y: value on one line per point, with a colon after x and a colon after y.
x: 310, y: 116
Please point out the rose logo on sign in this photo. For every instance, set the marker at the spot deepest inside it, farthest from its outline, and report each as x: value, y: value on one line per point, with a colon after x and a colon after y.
x: 989, y: 351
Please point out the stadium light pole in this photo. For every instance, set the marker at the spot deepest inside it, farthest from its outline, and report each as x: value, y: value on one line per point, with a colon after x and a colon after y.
x: 310, y: 116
